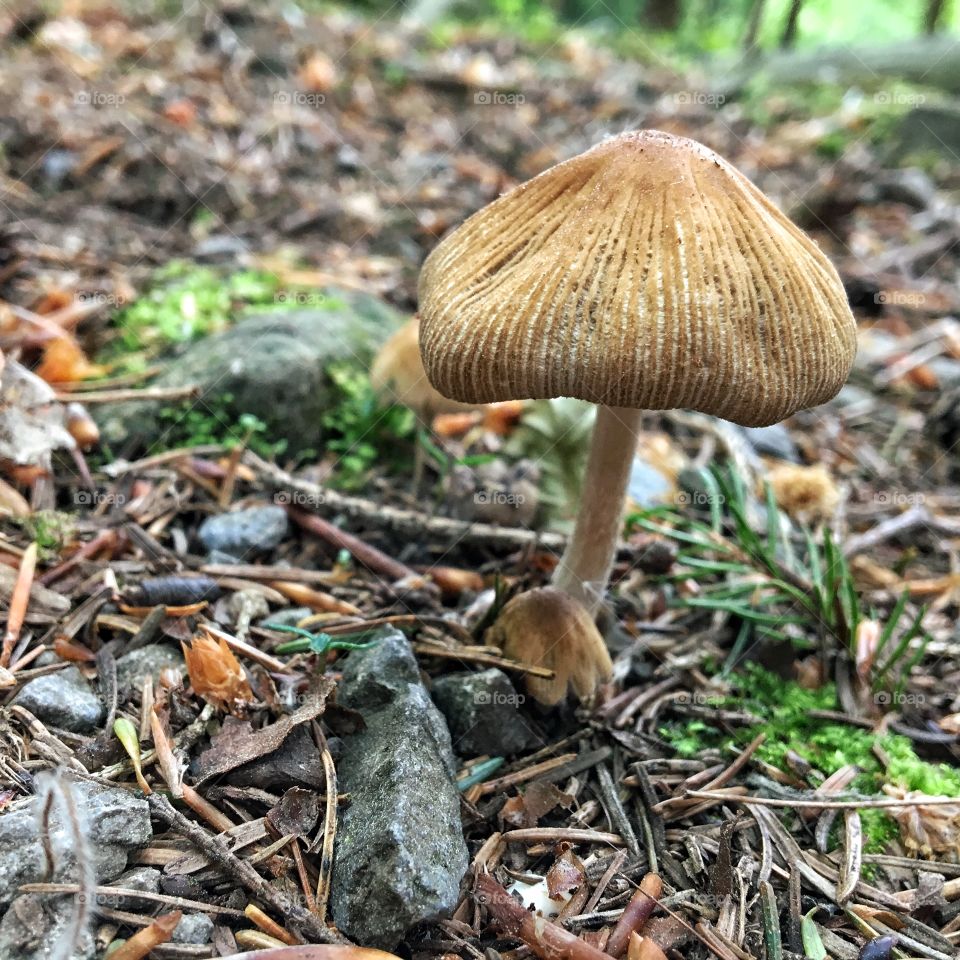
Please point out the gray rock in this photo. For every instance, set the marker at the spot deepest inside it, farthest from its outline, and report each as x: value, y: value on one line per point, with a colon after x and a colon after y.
x: 134, y: 667
x: 772, y: 441
x: 927, y: 130
x: 63, y: 699
x: 193, y: 928
x: 400, y: 852
x: 874, y: 348
x: 146, y: 879
x: 243, y: 532
x: 115, y: 821
x: 287, y: 618
x: 273, y: 366
x: 34, y: 924
x: 648, y: 486
x: 482, y: 712
x: 909, y: 185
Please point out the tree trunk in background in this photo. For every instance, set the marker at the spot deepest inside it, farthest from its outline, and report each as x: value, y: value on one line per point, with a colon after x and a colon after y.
x: 934, y: 15
x: 754, y: 20
x: 789, y: 35
x: 663, y: 15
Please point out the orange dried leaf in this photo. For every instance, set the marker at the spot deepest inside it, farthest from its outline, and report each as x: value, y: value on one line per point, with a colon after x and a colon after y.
x: 65, y: 362
x: 181, y: 112
x: 318, y: 74
x: 454, y: 424
x: 501, y: 418
x: 215, y: 673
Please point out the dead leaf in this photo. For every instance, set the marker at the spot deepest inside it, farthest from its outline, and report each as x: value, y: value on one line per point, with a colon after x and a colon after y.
x: 565, y: 875
x: 216, y: 673
x: 296, y: 814
x: 238, y: 745
x: 65, y: 362
x: 933, y: 831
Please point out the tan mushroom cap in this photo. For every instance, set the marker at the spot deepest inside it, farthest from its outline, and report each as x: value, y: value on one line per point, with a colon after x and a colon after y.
x: 646, y: 272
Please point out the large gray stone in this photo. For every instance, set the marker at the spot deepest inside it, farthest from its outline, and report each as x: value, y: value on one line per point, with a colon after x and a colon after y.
x: 115, y: 821
x: 134, y: 667
x: 400, y: 852
x: 33, y: 926
x: 482, y: 711
x: 242, y: 532
x: 928, y: 130
x: 63, y: 699
x: 273, y: 366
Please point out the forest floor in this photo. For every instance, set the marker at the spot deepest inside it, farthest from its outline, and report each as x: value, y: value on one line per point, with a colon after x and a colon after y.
x: 778, y: 745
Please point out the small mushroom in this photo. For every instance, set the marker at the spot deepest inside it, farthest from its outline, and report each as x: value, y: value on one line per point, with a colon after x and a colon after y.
x: 548, y: 628
x: 644, y: 274
x: 397, y: 376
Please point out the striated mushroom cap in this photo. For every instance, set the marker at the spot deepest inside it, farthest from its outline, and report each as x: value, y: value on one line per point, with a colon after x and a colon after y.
x: 647, y: 273
x: 397, y: 375
x: 548, y: 628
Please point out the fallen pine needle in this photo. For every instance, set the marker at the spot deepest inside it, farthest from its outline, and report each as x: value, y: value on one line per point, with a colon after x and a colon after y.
x: 255, y: 915
x: 141, y: 943
x: 19, y: 601
x: 545, y: 938
x: 824, y: 804
x: 635, y: 914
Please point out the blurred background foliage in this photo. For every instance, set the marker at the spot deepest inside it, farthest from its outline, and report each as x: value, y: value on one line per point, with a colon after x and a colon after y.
x: 700, y: 26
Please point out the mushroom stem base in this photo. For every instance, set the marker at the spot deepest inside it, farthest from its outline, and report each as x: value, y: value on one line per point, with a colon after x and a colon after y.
x: 584, y: 569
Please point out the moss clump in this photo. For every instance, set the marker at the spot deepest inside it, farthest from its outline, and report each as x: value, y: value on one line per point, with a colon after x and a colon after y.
x: 787, y: 716
x: 186, y: 302
x: 192, y: 426
x: 52, y: 531
x: 363, y: 433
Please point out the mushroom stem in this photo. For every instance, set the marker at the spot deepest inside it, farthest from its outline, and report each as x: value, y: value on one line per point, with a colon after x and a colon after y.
x: 584, y: 569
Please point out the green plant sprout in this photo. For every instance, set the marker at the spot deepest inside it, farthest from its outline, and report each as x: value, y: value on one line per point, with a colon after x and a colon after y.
x: 321, y: 643
x: 779, y: 584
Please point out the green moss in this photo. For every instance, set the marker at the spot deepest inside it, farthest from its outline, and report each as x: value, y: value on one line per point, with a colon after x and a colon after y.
x: 52, y: 531
x: 215, y: 422
x: 364, y: 434
x: 787, y: 711
x: 185, y: 302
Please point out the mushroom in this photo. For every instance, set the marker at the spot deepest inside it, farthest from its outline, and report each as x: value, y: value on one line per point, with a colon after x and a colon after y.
x: 397, y: 375
x: 644, y: 274
x: 548, y: 628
